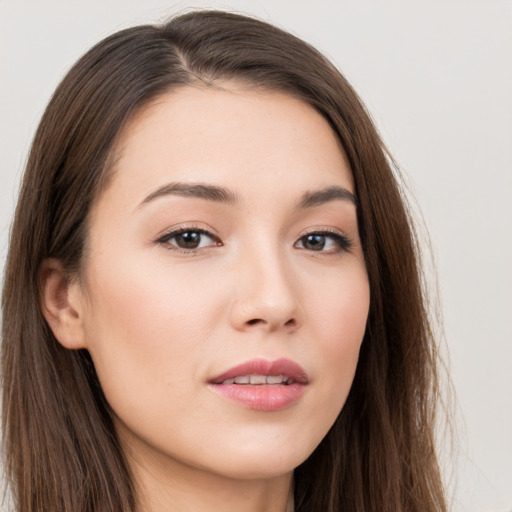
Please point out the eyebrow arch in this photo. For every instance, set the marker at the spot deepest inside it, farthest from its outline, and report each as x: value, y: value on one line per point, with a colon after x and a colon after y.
x: 319, y: 197
x: 198, y: 190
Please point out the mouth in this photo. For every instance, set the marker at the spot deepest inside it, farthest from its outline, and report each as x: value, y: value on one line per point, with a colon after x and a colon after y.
x: 261, y: 384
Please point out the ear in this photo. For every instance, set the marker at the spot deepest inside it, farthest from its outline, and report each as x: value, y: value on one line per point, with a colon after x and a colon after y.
x: 62, y: 304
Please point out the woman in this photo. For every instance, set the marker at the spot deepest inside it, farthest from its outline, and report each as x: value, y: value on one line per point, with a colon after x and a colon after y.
x: 212, y: 296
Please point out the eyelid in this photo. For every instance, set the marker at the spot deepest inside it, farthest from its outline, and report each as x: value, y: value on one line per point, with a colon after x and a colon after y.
x: 187, y: 226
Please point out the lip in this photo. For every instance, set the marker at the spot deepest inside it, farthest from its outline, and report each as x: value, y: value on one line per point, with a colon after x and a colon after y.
x: 263, y: 397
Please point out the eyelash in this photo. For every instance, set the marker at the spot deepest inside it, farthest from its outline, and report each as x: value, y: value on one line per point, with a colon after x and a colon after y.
x: 344, y: 243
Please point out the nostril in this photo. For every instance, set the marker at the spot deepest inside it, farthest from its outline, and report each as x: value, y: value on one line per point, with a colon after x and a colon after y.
x: 254, y: 321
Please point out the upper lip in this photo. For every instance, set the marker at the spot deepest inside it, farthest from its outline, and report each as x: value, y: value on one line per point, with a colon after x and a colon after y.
x: 286, y: 367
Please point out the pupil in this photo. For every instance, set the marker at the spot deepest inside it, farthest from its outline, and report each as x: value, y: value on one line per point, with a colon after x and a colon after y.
x: 315, y: 242
x: 188, y: 240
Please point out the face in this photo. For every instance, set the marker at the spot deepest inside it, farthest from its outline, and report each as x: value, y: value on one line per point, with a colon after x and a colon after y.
x: 224, y: 295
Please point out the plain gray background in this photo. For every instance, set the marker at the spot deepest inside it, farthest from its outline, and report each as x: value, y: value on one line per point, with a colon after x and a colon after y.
x: 437, y: 78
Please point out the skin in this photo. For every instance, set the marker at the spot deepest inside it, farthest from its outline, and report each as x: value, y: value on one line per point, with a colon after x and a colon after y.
x: 159, y: 321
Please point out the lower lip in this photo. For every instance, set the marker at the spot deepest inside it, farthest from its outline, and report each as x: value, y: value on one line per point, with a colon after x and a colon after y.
x: 264, y: 397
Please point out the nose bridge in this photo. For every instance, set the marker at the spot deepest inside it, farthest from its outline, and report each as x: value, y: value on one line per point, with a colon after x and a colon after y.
x: 267, y: 292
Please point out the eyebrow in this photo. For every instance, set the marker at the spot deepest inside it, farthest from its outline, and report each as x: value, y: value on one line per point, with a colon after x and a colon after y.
x: 198, y: 190
x: 319, y: 197
x: 223, y: 195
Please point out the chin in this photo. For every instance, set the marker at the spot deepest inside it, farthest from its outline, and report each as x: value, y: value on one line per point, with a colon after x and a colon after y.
x: 261, y: 470
x: 264, y: 460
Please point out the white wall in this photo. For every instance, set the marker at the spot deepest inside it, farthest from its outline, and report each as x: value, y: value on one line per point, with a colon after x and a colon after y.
x: 437, y: 77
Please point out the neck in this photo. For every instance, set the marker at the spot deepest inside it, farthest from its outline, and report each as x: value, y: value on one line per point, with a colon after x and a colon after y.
x: 166, y: 485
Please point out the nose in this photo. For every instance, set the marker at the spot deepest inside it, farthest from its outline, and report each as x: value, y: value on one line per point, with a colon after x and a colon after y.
x: 266, y: 296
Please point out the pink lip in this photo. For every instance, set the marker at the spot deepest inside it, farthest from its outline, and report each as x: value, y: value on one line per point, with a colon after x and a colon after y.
x: 263, y: 397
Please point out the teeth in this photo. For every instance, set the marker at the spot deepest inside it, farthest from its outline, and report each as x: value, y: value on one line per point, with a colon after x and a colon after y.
x: 275, y: 379
x: 259, y: 379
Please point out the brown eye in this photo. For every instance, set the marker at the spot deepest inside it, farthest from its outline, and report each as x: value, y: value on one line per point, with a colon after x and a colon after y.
x: 189, y: 239
x: 314, y: 242
x: 324, y: 241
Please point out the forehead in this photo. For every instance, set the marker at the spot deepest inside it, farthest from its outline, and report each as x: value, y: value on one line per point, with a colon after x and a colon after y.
x: 233, y: 136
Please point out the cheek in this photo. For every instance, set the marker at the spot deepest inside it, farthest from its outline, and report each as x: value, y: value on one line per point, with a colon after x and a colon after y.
x: 338, y: 306
x: 338, y: 326
x: 157, y: 303
x: 143, y: 327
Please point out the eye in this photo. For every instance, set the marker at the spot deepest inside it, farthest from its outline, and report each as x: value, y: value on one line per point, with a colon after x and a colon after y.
x: 324, y: 241
x: 189, y: 239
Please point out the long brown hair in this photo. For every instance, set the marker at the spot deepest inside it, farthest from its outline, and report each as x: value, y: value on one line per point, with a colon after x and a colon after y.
x: 61, y: 450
